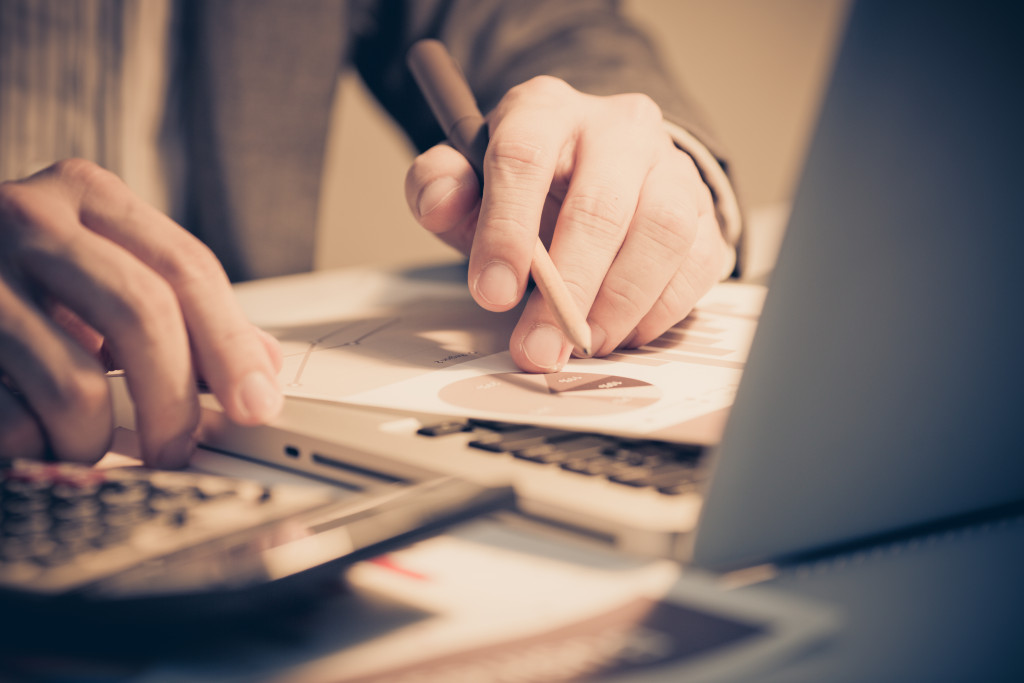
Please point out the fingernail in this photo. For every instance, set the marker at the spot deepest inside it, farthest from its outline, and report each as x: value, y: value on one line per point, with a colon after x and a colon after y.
x: 597, y: 337
x: 259, y: 397
x: 268, y: 339
x: 436, y: 192
x: 543, y: 346
x: 497, y: 284
x: 273, y: 347
x: 177, y: 453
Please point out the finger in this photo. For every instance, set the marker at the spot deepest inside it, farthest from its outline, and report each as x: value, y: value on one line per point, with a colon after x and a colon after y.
x: 613, y: 159
x: 660, y: 235
x: 527, y: 145
x: 273, y: 349
x: 270, y: 344
x: 611, y: 166
x: 69, y: 321
x: 444, y: 195
x: 62, y: 390
x: 138, y: 314
x: 234, y: 359
x: 537, y: 343
x: 20, y: 434
x: 703, y: 267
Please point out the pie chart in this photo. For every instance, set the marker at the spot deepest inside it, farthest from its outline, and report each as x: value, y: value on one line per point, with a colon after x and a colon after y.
x: 559, y: 394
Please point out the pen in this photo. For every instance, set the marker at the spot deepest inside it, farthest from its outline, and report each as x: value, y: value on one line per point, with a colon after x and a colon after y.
x: 455, y: 108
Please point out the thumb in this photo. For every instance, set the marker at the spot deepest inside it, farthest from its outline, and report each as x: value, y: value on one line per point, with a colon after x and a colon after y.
x: 444, y: 195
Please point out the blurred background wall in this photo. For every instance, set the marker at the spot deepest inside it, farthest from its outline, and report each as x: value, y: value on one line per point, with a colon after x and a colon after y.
x: 757, y: 67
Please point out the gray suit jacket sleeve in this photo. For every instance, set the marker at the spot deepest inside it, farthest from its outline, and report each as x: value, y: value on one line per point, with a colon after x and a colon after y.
x: 258, y: 79
x: 587, y: 43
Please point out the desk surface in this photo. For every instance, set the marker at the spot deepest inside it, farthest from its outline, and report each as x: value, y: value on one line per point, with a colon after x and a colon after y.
x: 942, y: 607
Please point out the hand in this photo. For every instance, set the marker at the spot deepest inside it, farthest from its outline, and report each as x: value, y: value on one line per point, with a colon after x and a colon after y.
x: 630, y: 223
x: 91, y: 275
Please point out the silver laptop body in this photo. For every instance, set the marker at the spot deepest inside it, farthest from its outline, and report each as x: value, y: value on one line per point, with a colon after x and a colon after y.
x: 885, y: 377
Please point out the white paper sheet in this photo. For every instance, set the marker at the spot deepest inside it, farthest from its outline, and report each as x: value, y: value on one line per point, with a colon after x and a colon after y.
x: 418, y: 342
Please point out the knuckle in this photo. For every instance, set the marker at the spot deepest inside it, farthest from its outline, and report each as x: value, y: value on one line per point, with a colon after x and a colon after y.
x: 641, y: 108
x: 599, y: 212
x: 670, y: 226
x: 543, y: 87
x: 675, y: 303
x: 147, y: 306
x: 191, y: 263
x: 16, y: 204
x: 517, y: 158
x: 85, y: 393
x: 83, y: 416
x: 156, y: 302
x: 82, y: 175
x: 623, y: 297
x: 85, y: 178
x: 72, y: 168
x: 79, y: 172
x: 508, y: 224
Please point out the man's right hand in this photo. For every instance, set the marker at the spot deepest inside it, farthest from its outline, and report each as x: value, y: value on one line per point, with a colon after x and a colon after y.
x: 90, y: 275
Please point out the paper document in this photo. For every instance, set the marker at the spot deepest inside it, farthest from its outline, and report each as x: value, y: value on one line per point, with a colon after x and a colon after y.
x: 559, y: 619
x: 491, y: 603
x: 416, y: 341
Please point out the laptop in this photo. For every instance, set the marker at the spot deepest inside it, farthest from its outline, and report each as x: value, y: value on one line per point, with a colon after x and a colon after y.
x: 882, y: 389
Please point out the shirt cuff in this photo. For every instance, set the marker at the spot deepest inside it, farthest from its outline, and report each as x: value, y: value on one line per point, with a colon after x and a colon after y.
x: 727, y: 206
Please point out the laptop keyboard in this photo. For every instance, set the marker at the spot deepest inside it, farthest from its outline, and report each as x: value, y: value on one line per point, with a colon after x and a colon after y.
x: 670, y: 469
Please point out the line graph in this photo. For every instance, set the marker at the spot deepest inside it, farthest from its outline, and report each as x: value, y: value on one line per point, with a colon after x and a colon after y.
x: 359, y: 331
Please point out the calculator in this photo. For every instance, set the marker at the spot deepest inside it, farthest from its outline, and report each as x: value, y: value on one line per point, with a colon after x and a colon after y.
x: 77, y: 536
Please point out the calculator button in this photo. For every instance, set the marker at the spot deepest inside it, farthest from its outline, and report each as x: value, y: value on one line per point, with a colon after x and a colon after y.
x: 124, y: 492
x: 32, y: 523
x: 65, y: 526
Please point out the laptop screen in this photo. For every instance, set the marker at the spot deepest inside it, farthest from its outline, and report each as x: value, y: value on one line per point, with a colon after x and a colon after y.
x: 883, y: 386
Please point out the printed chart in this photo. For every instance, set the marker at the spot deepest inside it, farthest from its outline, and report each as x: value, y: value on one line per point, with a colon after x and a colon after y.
x: 334, y: 359
x: 678, y: 387
x: 416, y: 341
x: 555, y: 394
x: 351, y: 333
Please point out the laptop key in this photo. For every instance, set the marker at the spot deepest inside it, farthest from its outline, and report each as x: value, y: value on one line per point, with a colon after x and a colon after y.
x: 545, y: 454
x: 678, y: 489
x: 520, y: 439
x: 563, y: 450
x: 600, y: 465
x: 445, y: 428
x: 665, y: 475
x: 495, y: 426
